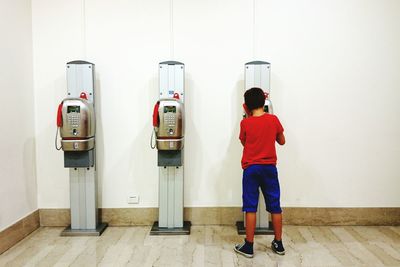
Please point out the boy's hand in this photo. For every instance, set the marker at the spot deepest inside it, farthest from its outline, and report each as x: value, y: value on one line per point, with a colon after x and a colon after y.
x: 246, y: 109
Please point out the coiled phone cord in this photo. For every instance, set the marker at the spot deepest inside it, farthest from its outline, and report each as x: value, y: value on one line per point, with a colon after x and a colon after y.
x: 55, y: 140
x: 153, y: 138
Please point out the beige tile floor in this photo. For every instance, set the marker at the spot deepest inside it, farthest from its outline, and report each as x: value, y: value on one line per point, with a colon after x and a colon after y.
x: 208, y: 246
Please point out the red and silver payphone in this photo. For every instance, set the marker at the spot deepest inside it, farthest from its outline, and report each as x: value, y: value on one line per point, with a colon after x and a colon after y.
x: 76, y: 123
x: 168, y: 123
x: 169, y: 130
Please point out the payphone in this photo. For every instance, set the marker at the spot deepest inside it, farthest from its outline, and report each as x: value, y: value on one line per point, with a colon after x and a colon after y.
x: 169, y: 131
x: 76, y: 120
x: 76, y: 123
x: 168, y: 123
x: 257, y: 74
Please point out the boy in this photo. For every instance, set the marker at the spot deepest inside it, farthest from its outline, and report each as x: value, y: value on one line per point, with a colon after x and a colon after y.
x: 258, y: 134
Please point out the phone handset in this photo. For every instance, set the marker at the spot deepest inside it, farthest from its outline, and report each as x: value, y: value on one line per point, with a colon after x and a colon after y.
x: 156, y: 124
x: 156, y: 117
x: 59, y: 115
x: 59, y: 123
x: 247, y: 111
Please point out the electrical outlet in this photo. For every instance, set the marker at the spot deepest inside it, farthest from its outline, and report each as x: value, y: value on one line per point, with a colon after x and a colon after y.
x: 134, y: 199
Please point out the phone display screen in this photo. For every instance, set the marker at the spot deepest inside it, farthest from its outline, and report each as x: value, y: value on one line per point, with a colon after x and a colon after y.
x: 76, y: 109
x: 170, y: 109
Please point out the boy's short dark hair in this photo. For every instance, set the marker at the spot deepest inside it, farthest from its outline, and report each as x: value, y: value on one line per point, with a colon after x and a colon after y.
x: 254, y: 98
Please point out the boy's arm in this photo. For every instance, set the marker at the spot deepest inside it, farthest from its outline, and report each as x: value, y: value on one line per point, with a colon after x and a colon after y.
x: 242, y: 135
x: 280, y: 138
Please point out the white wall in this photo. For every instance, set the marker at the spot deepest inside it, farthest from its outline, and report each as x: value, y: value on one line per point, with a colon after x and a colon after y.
x: 17, y: 158
x: 335, y: 85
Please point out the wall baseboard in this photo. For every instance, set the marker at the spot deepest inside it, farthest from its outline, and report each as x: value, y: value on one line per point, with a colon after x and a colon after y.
x: 342, y: 216
x: 229, y: 216
x: 18, y: 231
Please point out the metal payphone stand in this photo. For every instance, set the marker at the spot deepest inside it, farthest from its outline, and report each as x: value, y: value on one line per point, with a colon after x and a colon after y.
x: 82, y: 164
x: 257, y: 74
x: 170, y: 162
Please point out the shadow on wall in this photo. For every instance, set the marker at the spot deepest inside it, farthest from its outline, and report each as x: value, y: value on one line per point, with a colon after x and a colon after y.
x: 193, y: 160
x: 229, y: 170
x: 29, y: 165
x: 99, y: 157
x: 141, y: 155
x: 52, y: 174
x: 292, y: 166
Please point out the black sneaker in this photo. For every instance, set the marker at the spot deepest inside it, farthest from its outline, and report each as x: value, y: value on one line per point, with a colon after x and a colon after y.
x: 246, y: 249
x: 277, y: 247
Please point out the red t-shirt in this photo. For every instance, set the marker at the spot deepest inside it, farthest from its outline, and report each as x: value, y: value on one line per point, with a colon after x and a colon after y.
x: 259, y: 135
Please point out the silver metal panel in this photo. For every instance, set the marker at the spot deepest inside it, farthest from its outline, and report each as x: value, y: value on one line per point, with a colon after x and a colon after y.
x: 163, y: 197
x: 163, y: 80
x: 171, y: 197
x: 262, y: 214
x: 257, y: 75
x: 75, y: 198
x: 80, y: 78
x: 78, y: 198
x: 91, y: 199
x: 178, y: 201
x: 83, y: 199
x: 180, y: 81
x: 248, y: 77
x: 265, y: 77
x: 172, y: 80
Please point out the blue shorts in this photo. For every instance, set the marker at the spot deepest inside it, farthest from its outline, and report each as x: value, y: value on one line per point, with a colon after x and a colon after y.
x: 266, y: 178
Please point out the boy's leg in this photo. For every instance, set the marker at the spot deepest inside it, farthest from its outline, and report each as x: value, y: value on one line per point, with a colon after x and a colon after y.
x: 250, y: 185
x: 277, y: 223
x: 246, y: 248
x: 250, y: 226
x: 250, y: 195
x: 271, y: 192
x: 277, y: 245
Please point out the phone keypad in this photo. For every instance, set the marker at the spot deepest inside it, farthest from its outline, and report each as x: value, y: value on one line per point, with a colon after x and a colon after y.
x: 169, y: 120
x: 74, y: 119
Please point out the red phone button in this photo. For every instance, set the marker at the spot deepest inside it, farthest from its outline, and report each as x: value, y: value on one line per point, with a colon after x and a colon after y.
x: 83, y: 95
